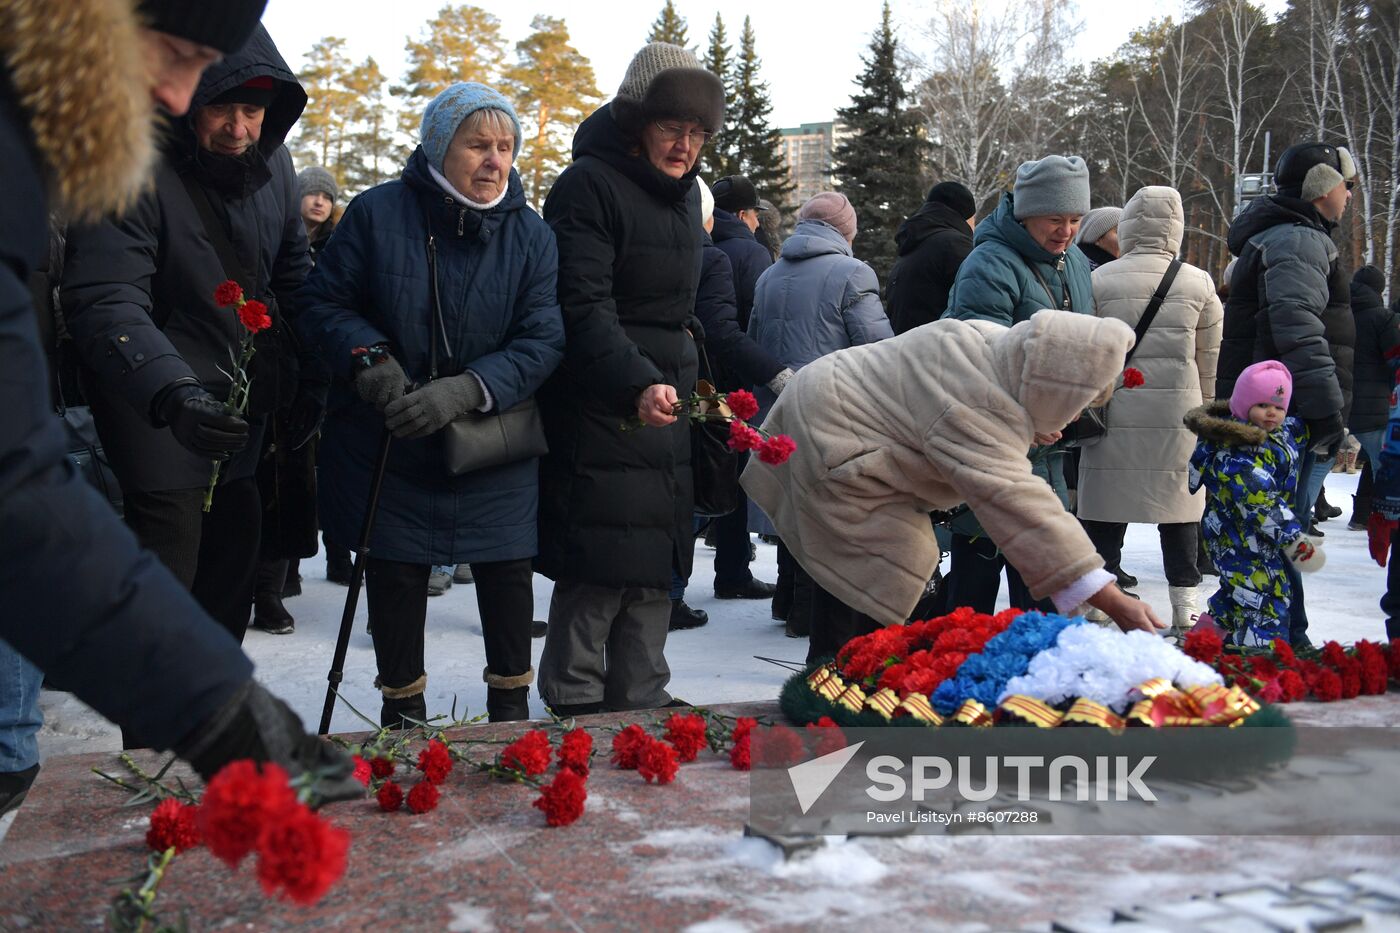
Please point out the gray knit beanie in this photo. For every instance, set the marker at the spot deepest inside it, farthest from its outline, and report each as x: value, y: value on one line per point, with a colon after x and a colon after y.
x: 667, y: 81
x: 1098, y: 222
x: 313, y: 178
x: 1052, y: 185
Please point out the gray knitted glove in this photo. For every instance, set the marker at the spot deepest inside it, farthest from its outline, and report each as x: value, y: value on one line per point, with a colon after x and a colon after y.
x: 420, y: 413
x: 780, y: 381
x: 381, y: 384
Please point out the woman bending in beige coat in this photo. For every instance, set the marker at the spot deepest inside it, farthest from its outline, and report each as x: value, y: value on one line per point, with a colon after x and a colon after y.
x: 1137, y: 471
x: 938, y: 416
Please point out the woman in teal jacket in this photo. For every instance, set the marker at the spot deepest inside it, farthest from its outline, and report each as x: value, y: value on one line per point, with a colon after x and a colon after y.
x: 1023, y: 259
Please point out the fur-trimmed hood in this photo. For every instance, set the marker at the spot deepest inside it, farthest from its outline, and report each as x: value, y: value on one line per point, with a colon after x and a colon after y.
x: 78, y: 71
x: 1213, y: 422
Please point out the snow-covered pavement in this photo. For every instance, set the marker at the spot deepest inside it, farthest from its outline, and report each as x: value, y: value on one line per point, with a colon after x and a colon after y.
x: 714, y: 664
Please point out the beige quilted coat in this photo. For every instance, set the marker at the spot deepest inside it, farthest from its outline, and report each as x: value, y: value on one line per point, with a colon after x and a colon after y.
x: 1137, y: 471
x: 937, y: 416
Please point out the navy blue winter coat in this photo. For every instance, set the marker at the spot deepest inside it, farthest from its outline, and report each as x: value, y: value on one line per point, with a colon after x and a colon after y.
x: 496, y: 276
x: 748, y: 258
x: 737, y: 362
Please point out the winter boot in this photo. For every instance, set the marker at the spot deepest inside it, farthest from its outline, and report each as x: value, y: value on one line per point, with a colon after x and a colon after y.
x: 1183, y: 600
x: 507, y: 697
x: 403, y: 707
x: 339, y: 565
x: 1323, y: 509
x: 463, y: 574
x: 683, y: 617
x: 269, y: 615
x: 569, y: 710
x: 292, y: 586
x: 1125, y: 580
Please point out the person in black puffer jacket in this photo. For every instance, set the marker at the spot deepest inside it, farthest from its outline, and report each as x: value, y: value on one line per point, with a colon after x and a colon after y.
x: 615, y: 505
x: 1289, y: 301
x: 933, y: 242
x: 1377, y: 343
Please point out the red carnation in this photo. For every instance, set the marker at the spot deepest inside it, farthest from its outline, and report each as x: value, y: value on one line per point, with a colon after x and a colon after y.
x: 742, y: 404
x: 173, y: 825
x: 381, y: 767
x: 362, y: 773
x: 528, y: 754
x: 228, y: 294
x: 829, y: 736
x: 576, y: 752
x: 739, y: 755
x: 743, y: 437
x: 1283, y: 651
x: 239, y: 803
x: 1271, y: 692
x: 562, y: 799
x: 390, y: 797
x: 423, y: 797
x: 1132, y: 378
x: 1327, y: 687
x: 435, y: 762
x: 627, y: 747
x: 658, y: 761
x: 780, y: 747
x: 1293, y: 686
x: 303, y: 855
x: 743, y: 726
x: 1204, y: 644
x: 254, y: 316
x: 776, y: 449
x: 687, y: 734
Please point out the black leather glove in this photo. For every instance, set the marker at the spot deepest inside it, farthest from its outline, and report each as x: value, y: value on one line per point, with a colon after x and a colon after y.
x: 381, y: 383
x: 304, y: 418
x: 1325, y: 434
x: 255, y: 724
x: 200, y: 424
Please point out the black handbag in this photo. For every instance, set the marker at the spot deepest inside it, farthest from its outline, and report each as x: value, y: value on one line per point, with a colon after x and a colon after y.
x: 481, y: 440
x: 1092, y: 424
x: 714, y: 465
x: 85, y: 452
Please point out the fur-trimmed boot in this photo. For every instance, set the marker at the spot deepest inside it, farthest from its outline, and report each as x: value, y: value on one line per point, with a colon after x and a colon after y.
x: 1184, y: 609
x: 508, y: 697
x: 403, y: 707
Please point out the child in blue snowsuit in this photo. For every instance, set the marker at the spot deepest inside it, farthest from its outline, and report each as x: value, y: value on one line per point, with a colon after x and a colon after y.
x: 1247, y: 461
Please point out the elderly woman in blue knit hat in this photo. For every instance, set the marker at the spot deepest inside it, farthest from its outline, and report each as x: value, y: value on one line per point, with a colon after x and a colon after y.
x: 436, y: 299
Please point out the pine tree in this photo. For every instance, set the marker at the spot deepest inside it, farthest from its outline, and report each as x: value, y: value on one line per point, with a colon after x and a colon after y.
x: 755, y: 144
x: 325, y: 122
x: 372, y: 155
x: 462, y: 43
x: 669, y: 27
x: 879, y: 165
x: 720, y: 157
x: 554, y: 89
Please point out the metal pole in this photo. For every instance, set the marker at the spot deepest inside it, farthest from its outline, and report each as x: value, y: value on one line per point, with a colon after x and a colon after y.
x: 357, y: 575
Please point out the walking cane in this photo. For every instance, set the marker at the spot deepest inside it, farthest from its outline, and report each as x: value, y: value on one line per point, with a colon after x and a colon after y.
x: 357, y: 575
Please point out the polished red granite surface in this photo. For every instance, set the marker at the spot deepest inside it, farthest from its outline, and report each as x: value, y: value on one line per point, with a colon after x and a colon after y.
x: 643, y: 857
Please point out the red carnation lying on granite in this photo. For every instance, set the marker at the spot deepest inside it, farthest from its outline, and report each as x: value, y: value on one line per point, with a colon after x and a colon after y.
x: 562, y: 799
x: 173, y: 825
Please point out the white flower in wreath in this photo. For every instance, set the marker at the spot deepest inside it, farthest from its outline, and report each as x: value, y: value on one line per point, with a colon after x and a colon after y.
x: 1106, y: 665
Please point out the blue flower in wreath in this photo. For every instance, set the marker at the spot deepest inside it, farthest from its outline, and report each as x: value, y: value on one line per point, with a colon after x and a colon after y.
x: 984, y: 676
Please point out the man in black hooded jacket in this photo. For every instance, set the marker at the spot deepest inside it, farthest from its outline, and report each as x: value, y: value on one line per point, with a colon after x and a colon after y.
x: 933, y: 242
x: 1289, y: 301
x: 139, y: 296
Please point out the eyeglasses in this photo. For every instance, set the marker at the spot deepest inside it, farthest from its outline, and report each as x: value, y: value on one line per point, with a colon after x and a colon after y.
x: 672, y: 132
x: 1351, y: 184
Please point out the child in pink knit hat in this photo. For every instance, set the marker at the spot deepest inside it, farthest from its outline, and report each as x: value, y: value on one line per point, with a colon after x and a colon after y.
x: 1247, y: 462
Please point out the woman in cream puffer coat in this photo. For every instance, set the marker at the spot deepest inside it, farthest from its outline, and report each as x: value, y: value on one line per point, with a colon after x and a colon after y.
x: 938, y: 416
x: 1137, y: 471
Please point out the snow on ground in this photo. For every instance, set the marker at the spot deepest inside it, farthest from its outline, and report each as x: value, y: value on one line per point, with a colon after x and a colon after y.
x: 717, y: 663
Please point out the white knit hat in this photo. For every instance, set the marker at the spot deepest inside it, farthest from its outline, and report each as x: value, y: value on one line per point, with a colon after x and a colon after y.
x: 707, y: 200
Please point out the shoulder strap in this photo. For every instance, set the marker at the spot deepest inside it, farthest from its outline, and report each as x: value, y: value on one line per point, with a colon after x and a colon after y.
x: 1153, y: 306
x: 228, y: 256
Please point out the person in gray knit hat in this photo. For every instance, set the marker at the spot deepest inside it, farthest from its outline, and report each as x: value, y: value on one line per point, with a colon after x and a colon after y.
x: 1098, y: 235
x: 1023, y: 260
x: 319, y: 193
x: 615, y: 516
